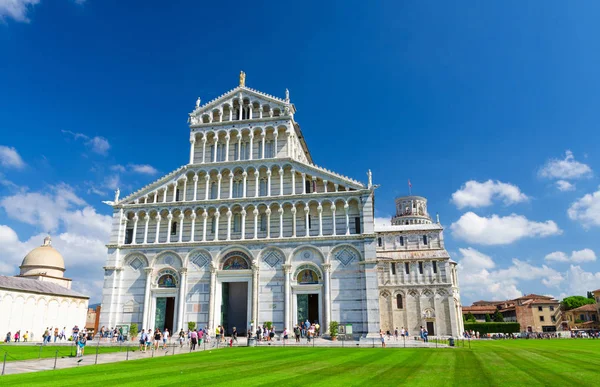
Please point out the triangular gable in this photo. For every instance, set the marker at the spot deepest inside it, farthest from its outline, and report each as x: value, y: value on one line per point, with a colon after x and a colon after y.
x: 254, y: 95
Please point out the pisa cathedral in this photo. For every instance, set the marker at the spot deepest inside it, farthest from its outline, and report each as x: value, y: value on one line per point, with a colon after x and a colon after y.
x: 252, y: 230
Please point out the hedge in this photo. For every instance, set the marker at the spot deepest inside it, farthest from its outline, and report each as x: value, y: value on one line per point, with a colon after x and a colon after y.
x: 493, y: 327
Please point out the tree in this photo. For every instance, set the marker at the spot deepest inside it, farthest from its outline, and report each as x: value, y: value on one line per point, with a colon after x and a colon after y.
x: 470, y: 317
x: 573, y: 302
x: 498, y: 317
x: 488, y: 318
x: 590, y: 295
x: 191, y: 325
x: 133, y: 331
x: 334, y: 328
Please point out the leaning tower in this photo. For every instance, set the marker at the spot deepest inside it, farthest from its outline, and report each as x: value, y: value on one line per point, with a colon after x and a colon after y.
x: 411, y: 210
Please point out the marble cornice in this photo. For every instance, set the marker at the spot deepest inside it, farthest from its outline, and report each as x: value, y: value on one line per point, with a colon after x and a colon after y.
x: 248, y: 200
x: 269, y: 241
x: 243, y: 124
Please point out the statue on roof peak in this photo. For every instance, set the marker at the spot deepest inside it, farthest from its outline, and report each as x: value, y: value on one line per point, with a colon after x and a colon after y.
x: 242, y: 79
x: 198, y: 103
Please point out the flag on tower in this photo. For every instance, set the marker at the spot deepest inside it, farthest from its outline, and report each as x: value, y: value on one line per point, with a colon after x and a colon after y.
x: 409, y: 187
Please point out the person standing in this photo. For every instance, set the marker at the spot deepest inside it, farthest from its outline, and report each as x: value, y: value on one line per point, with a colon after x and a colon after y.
x: 157, y: 337
x: 297, y: 333
x: 317, y: 329
x: 82, y: 343
x: 193, y: 340
x: 165, y: 338
x: 285, y: 335
x: 234, y: 335
x: 396, y: 334
x: 142, y: 340
x: 181, y: 338
x: 382, y: 338
x: 26, y: 336
x: 222, y: 333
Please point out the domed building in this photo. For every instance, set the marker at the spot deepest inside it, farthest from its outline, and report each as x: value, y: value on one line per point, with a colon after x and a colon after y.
x: 40, y: 296
x: 44, y: 263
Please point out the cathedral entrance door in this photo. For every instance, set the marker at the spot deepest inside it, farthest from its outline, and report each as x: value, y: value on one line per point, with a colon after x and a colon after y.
x: 165, y: 311
x: 234, y: 307
x: 430, y: 328
x: 308, y: 307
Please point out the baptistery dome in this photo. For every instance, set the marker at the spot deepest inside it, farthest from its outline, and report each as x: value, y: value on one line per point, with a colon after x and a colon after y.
x: 43, y: 260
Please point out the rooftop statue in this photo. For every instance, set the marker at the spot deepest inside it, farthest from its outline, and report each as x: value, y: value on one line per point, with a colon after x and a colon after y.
x: 242, y: 79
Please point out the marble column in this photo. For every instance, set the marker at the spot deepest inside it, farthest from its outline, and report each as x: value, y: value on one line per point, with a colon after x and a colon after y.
x: 294, y: 210
x: 229, y: 213
x: 255, y: 270
x: 181, y: 216
x: 243, y: 212
x: 346, y: 208
x: 219, y: 177
x: 268, y: 212
x: 326, y: 296
x: 204, y: 218
x: 147, y: 220
x: 169, y: 224
x: 158, y: 219
x: 280, y: 181
x: 211, y: 302
x: 203, y: 149
x: 207, y: 178
x: 255, y: 213
x: 306, y: 215
x: 192, y: 145
x: 286, y: 302
x: 280, y: 222
x: 269, y: 182
x: 245, y: 176
x: 333, y: 217
x: 217, y: 216
x: 195, y: 187
x: 181, y: 309
x: 193, y: 217
x: 293, y: 171
x: 135, y: 223
x: 145, y: 316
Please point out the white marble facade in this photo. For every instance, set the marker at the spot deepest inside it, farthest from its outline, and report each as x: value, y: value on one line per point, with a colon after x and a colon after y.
x: 250, y: 230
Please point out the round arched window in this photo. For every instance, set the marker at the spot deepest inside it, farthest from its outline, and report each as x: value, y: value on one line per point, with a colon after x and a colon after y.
x: 307, y: 276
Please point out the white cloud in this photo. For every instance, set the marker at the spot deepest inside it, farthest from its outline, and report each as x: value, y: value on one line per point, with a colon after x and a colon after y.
x: 586, y: 210
x: 10, y: 158
x: 57, y: 207
x: 579, y: 281
x: 96, y: 144
x: 79, y: 233
x: 567, y: 168
x: 585, y: 255
x: 118, y: 168
x: 498, y: 230
x: 480, y: 279
x: 143, y: 168
x: 476, y: 194
x: 564, y: 185
x: 16, y: 9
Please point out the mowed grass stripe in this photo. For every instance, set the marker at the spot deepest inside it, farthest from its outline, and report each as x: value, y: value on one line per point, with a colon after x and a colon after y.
x: 492, y: 363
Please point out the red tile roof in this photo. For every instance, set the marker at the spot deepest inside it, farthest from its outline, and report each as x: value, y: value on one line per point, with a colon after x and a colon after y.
x: 586, y: 308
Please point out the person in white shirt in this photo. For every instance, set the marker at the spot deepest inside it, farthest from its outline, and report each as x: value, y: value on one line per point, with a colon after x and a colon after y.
x: 165, y: 338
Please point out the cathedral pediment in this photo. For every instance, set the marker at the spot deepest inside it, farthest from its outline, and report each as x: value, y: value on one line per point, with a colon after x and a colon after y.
x: 263, y: 104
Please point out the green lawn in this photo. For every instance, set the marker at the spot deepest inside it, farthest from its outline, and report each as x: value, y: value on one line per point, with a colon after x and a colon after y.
x: 27, y: 352
x: 496, y: 363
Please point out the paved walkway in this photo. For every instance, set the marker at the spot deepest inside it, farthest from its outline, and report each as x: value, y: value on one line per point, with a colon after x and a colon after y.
x: 133, y: 353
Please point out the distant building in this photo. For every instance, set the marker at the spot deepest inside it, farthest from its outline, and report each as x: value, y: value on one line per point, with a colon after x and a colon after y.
x: 40, y: 296
x: 93, y: 318
x: 533, y: 312
x: 583, y: 318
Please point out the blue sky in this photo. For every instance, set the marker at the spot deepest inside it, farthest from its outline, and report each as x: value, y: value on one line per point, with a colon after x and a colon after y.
x: 489, y: 108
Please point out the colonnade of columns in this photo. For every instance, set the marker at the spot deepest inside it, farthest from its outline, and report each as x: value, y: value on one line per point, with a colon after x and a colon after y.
x: 241, y: 214
x: 247, y: 138
x: 282, y: 184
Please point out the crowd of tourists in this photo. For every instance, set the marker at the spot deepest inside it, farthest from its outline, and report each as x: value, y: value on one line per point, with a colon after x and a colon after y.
x: 51, y: 334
